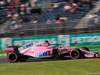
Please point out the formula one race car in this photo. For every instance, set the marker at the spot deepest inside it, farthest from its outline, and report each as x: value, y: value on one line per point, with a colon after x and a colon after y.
x: 43, y: 50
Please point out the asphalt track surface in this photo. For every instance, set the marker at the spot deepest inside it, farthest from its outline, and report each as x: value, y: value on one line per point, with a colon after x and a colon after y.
x: 4, y: 59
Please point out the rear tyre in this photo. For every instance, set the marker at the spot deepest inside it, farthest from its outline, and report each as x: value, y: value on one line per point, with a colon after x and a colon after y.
x: 13, y: 57
x: 76, y: 54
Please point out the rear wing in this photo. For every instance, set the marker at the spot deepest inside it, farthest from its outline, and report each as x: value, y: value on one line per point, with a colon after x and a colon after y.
x: 9, y: 49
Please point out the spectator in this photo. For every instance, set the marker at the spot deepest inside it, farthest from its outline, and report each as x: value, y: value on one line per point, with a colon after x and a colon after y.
x: 58, y: 21
x: 12, y: 16
x: 13, y: 6
x: 17, y: 26
x: 1, y: 3
x: 13, y: 21
x: 20, y: 20
x: 25, y: 19
x: 56, y: 4
x: 9, y: 14
x: 63, y: 18
x: 66, y: 6
x: 34, y: 20
x: 22, y: 9
x: 16, y: 15
x: 70, y: 7
x: 28, y: 8
x: 94, y: 18
x: 18, y: 3
x: 73, y: 7
x: 49, y: 21
x: 57, y: 18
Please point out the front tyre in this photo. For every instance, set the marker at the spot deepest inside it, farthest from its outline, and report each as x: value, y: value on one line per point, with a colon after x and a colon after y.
x: 76, y: 54
x: 13, y: 57
x: 96, y: 55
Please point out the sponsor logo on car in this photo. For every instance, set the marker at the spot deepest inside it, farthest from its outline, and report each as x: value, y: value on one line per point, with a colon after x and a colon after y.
x: 44, y: 53
x: 27, y: 46
x: 88, y: 55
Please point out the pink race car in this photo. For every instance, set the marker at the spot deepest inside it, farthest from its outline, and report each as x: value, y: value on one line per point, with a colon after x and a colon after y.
x: 43, y: 50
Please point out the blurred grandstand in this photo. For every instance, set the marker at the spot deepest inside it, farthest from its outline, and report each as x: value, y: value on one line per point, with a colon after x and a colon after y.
x: 48, y: 17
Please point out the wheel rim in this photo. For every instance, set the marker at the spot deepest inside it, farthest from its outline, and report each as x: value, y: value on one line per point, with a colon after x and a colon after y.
x: 12, y: 57
x: 74, y: 54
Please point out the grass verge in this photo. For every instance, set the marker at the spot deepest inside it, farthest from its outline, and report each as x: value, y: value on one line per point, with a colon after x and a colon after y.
x: 2, y: 51
x: 61, y: 67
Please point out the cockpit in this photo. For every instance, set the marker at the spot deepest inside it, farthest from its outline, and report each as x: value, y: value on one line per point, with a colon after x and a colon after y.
x: 60, y: 46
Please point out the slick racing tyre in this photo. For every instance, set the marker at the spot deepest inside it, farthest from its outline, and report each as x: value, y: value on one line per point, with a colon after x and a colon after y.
x: 76, y: 54
x: 13, y: 57
x: 96, y: 55
x: 85, y: 48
